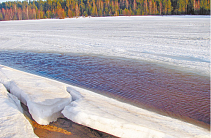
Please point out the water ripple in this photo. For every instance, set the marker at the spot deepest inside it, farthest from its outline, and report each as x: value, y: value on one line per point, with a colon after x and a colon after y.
x: 147, y: 85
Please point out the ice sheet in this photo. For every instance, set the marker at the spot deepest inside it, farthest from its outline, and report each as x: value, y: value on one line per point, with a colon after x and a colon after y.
x: 45, y: 98
x: 181, y: 41
x: 124, y: 120
x: 13, y: 124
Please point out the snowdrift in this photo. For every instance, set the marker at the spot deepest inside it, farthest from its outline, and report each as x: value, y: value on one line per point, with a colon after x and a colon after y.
x: 49, y: 99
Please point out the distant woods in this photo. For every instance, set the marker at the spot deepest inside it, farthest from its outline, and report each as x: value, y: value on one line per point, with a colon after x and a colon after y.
x: 40, y: 9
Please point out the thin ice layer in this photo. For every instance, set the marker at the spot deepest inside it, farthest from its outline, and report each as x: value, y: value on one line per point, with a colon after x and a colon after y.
x: 124, y: 120
x: 12, y: 121
x: 45, y: 98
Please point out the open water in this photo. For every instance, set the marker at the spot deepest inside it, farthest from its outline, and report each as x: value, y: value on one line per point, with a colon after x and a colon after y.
x: 170, y: 92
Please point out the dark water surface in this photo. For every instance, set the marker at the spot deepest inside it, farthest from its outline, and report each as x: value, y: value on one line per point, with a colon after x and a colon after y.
x: 170, y: 92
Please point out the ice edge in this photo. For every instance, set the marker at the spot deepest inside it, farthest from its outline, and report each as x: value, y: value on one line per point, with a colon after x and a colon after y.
x: 93, y: 110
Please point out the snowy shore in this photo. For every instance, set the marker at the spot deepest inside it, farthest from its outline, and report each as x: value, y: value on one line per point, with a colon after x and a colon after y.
x: 90, y: 109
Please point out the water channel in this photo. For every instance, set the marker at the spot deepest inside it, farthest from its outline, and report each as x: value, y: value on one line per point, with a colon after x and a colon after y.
x: 170, y: 92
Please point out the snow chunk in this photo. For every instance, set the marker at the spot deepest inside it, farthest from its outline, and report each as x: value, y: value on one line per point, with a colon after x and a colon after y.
x: 45, y: 98
x: 124, y: 120
x: 12, y: 121
x: 75, y: 94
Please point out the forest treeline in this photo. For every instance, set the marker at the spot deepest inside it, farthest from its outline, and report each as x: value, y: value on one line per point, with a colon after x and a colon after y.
x: 23, y: 10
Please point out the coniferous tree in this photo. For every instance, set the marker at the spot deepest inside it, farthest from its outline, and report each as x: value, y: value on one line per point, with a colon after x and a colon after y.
x: 169, y: 7
x: 40, y: 9
x: 1, y: 16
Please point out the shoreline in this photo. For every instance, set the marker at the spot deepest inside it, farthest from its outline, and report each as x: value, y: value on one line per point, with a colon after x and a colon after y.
x: 64, y: 128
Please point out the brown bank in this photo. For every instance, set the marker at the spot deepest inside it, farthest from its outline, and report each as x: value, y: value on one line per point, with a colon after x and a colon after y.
x: 63, y: 128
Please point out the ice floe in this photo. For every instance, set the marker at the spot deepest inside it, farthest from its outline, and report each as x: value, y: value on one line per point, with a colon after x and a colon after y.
x: 44, y: 98
x: 124, y: 120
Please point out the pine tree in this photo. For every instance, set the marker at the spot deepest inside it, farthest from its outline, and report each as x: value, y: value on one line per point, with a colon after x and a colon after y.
x: 82, y: 7
x: 169, y: 7
x: 74, y: 8
x: 60, y: 11
x: 1, y: 16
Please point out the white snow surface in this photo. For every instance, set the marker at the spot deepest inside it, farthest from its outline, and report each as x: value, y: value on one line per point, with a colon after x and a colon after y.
x: 44, y: 98
x: 182, y: 42
x: 13, y: 124
x: 43, y: 95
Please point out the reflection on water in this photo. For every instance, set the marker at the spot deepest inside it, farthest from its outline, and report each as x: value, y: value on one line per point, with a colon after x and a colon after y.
x: 178, y: 94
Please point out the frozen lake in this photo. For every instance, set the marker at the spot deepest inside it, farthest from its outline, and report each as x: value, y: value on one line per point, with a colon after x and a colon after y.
x: 180, y: 41
x: 158, y: 63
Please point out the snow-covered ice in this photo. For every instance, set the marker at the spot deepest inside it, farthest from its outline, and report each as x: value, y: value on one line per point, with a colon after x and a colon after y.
x: 124, y: 120
x: 12, y: 121
x: 44, y: 98
x: 180, y: 41
x: 91, y: 109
